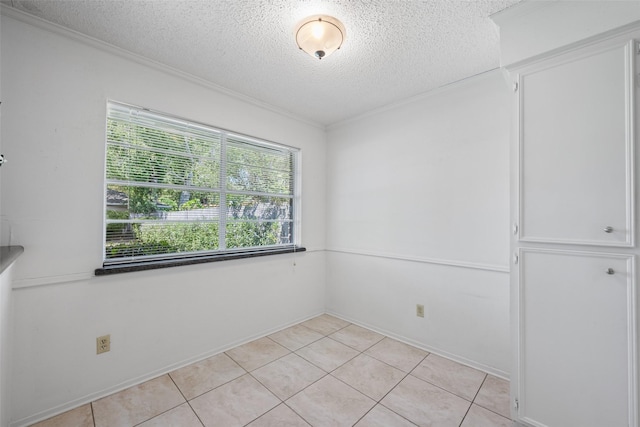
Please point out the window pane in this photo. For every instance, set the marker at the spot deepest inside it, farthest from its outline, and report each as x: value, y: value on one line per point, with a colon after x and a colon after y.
x: 162, y: 238
x: 165, y: 180
x: 247, y: 234
x: 258, y: 221
x: 161, y: 133
x: 152, y: 203
x: 142, y: 165
x: 241, y: 206
x: 258, y: 169
x: 144, y: 221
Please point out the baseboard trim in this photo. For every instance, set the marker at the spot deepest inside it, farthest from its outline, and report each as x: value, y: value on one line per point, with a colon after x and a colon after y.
x: 92, y: 397
x: 46, y: 414
x: 456, y: 358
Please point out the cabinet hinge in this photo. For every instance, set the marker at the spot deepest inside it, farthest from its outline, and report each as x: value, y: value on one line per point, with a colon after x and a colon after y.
x: 515, y: 229
x: 515, y: 86
x: 516, y: 404
x: 515, y: 258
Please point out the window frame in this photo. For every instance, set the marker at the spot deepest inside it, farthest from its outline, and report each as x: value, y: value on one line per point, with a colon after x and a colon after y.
x: 147, y: 262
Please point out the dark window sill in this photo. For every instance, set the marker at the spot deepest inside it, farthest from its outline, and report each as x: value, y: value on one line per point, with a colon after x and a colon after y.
x: 154, y: 265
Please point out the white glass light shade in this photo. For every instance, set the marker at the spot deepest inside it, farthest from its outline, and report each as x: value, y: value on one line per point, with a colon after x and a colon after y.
x: 320, y: 35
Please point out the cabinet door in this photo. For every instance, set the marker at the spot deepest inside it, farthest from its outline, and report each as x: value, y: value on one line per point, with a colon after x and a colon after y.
x: 575, y: 148
x: 576, y: 317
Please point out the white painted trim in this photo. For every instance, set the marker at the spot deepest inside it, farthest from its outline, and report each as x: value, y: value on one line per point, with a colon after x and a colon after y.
x: 416, y: 98
x: 621, y: 34
x: 575, y: 242
x: 632, y: 310
x: 18, y: 15
x: 516, y: 338
x: 632, y: 354
x: 464, y: 361
x: 297, y: 201
x: 530, y: 422
x: 519, y: 157
x: 31, y: 282
x: 630, y: 136
x: 425, y: 260
x: 50, y: 280
x: 551, y: 61
x: 43, y: 415
x: 521, y: 9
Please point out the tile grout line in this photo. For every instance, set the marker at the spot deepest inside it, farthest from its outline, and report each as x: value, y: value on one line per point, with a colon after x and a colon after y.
x: 279, y: 358
x: 484, y: 407
x: 449, y: 391
x: 474, y: 398
x: 327, y: 374
x: 479, y: 388
x: 353, y: 388
x: 441, y: 388
x: 303, y: 345
x: 357, y: 349
x: 308, y: 361
x: 303, y: 389
x: 313, y: 364
x: 492, y: 411
x: 331, y: 373
x: 195, y: 413
x: 218, y: 386
x: 394, y: 387
x: 294, y: 411
x: 170, y: 409
x: 93, y: 415
x: 321, y: 368
x: 186, y: 400
x: 388, y: 364
x: 360, y: 352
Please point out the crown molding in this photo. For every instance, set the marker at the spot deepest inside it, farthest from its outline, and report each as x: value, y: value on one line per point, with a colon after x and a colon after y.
x: 417, y: 98
x: 18, y: 15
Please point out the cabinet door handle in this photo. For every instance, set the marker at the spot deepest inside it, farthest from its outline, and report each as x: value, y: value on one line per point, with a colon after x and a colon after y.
x: 608, y: 229
x: 610, y: 271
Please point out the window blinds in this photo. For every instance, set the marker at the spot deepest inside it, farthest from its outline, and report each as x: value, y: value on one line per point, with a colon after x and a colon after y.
x: 175, y: 188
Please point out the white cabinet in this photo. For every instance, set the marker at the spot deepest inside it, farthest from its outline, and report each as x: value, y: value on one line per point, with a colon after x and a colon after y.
x: 574, y: 297
x: 576, y: 320
x: 575, y: 143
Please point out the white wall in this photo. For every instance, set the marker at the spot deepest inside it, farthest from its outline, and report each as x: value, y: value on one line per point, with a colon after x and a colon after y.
x: 416, y: 204
x: 532, y: 28
x: 55, y: 89
x: 418, y: 213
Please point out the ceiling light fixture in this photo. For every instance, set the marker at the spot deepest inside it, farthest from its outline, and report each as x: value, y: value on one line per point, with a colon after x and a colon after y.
x: 320, y: 35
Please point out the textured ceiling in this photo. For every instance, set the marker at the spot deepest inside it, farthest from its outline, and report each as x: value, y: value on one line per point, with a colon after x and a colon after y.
x: 393, y: 50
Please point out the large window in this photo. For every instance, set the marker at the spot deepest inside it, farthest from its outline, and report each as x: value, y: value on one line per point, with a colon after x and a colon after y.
x: 177, y: 189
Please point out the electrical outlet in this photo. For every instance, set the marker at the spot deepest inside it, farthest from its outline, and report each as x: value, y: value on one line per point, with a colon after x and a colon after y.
x: 103, y: 344
x: 419, y: 310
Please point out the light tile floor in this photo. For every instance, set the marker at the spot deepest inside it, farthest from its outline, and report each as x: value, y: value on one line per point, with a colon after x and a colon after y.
x: 322, y: 372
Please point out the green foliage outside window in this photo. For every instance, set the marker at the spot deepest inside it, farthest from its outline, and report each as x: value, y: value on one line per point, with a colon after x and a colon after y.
x: 249, y: 234
x: 167, y: 182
